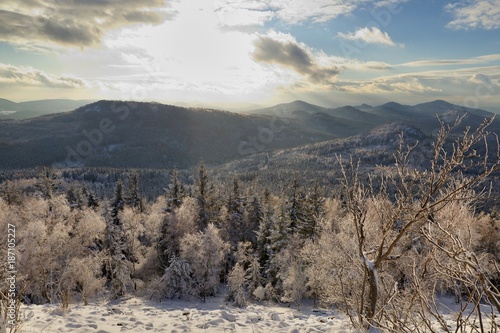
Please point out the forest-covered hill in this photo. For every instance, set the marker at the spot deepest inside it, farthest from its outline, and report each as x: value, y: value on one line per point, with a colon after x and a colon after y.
x: 151, y: 135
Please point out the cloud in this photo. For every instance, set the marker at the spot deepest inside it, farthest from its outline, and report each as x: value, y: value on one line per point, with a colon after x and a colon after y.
x: 458, y: 82
x: 285, y: 51
x: 451, y: 62
x: 474, y: 14
x: 371, y: 35
x: 80, y: 23
x: 28, y: 76
x: 258, y: 12
x: 405, y: 85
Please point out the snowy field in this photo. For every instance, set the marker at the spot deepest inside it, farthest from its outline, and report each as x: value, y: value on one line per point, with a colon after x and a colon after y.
x: 133, y: 314
x: 139, y: 315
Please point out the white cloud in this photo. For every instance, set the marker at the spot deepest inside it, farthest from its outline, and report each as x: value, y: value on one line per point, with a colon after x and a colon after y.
x: 389, y: 3
x: 451, y: 62
x: 474, y: 14
x: 371, y: 35
x: 28, y: 76
x: 460, y: 83
x: 258, y: 12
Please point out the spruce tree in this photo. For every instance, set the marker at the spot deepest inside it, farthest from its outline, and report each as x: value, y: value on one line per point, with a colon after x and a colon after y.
x: 235, y: 208
x: 296, y: 207
x: 314, y: 210
x: 118, y: 245
x: 91, y: 200
x: 203, y: 197
x: 175, y: 191
x: 254, y: 220
x: 134, y: 198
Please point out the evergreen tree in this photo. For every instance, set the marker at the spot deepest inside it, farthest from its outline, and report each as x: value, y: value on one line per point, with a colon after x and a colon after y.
x: 118, y: 245
x: 235, y: 209
x: 203, y: 196
x: 92, y: 201
x: 175, y: 191
x: 281, y: 233
x: 296, y: 207
x: 177, y: 281
x: 46, y: 183
x: 314, y: 210
x: 117, y: 203
x: 255, y: 218
x: 134, y: 198
x: 74, y: 197
x: 263, y: 234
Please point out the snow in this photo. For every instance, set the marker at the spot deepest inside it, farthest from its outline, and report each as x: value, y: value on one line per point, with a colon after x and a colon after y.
x: 133, y: 314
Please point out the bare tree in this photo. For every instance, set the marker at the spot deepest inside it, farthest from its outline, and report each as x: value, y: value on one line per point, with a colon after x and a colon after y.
x: 393, y: 212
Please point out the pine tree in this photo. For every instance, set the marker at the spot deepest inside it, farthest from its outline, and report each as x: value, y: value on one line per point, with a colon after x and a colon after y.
x: 46, y: 183
x: 75, y: 198
x: 118, y: 203
x: 295, y: 206
x: 118, y: 245
x: 175, y: 191
x: 314, y: 210
x: 177, y: 280
x: 254, y: 220
x: 134, y: 198
x: 263, y: 234
x: 203, y: 196
x: 92, y: 201
x: 235, y: 208
x: 281, y: 233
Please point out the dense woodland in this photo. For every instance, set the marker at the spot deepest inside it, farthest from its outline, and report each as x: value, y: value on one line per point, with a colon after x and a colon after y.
x: 379, y: 245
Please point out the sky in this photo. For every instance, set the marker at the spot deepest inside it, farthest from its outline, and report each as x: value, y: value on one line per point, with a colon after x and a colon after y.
x: 248, y: 53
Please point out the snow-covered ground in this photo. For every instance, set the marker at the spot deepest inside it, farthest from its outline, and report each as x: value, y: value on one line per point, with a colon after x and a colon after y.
x: 139, y: 315
x: 132, y: 314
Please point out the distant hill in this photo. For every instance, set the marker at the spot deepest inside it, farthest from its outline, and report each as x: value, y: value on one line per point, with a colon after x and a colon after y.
x: 144, y: 135
x: 364, y: 117
x: 31, y: 109
x: 153, y: 135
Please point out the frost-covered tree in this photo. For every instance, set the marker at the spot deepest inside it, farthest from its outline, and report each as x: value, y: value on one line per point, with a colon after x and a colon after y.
x: 205, y: 252
x: 175, y: 225
x: 401, y: 209
x: 120, y: 254
x: 177, y: 281
x: 82, y: 275
x: 47, y: 183
x: 237, y: 285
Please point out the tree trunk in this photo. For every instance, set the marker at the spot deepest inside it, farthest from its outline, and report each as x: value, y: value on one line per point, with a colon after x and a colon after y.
x: 371, y: 305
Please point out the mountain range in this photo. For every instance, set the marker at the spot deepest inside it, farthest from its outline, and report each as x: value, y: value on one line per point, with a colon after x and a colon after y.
x: 31, y: 109
x: 153, y: 135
